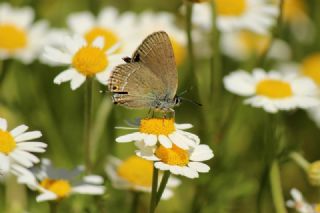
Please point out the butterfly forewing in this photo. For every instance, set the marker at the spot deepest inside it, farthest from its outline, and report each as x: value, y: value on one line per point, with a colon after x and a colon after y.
x: 156, y: 53
x: 135, y: 86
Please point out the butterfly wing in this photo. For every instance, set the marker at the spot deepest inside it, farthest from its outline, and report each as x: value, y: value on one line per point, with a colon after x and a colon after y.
x: 135, y: 86
x: 156, y: 53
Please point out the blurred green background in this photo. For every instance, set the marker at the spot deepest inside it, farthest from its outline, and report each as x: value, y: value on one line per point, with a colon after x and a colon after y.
x: 28, y: 95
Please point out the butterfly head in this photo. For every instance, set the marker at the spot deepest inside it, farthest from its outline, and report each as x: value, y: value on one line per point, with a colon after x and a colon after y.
x: 177, y: 100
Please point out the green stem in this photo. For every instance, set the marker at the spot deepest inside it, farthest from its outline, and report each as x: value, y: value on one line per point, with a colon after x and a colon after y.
x: 301, y: 161
x: 276, y: 189
x: 87, y: 122
x: 189, y: 35
x: 275, y: 34
x: 162, y: 186
x: 135, y: 202
x: 53, y: 207
x: 154, y: 190
x: 5, y: 65
x: 216, y: 71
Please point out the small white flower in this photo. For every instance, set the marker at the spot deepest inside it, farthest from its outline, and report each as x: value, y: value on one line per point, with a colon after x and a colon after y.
x: 243, y: 45
x: 188, y: 163
x: 116, y: 29
x: 56, y: 184
x: 135, y: 173
x: 19, y: 37
x: 298, y: 203
x: 162, y: 131
x: 17, y: 146
x: 254, y: 15
x: 85, y: 60
x: 273, y: 91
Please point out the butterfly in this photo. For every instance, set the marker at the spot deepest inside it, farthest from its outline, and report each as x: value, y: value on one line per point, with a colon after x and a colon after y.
x: 149, y: 79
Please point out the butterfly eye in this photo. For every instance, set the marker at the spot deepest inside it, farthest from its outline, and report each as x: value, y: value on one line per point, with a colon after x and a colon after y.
x: 114, y: 88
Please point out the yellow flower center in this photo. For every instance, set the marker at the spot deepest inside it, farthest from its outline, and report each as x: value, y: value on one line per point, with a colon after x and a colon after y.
x: 317, y: 208
x: 137, y: 171
x: 272, y: 88
x: 157, y: 126
x: 12, y: 38
x: 110, y: 38
x: 61, y: 188
x: 253, y: 42
x: 90, y: 60
x: 7, y: 142
x: 294, y: 10
x: 311, y: 67
x: 314, y: 173
x: 230, y: 7
x: 179, y: 51
x: 173, y: 156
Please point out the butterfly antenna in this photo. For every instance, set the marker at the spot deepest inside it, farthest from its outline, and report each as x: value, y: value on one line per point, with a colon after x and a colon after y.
x: 190, y: 101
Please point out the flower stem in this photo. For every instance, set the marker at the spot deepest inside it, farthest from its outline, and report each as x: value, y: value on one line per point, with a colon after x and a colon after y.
x: 154, y: 190
x: 216, y: 56
x: 189, y: 35
x: 135, y: 202
x: 5, y: 65
x: 162, y: 186
x: 276, y: 190
x: 87, y: 123
x: 275, y: 34
x: 298, y: 159
x: 53, y: 207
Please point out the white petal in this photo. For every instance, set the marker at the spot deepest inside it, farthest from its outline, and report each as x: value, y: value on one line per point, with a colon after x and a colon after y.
x: 19, y: 130
x: 46, y: 196
x: 199, y: 167
x: 164, y: 140
x: 150, y: 140
x: 98, y: 42
x: 64, y: 76
x: 3, y: 124
x: 136, y: 136
x: 4, y: 164
x: 77, y: 81
x: 240, y: 83
x: 183, y: 126
x: 28, y: 136
x: 56, y: 56
x: 178, y: 140
x: 89, y: 189
x: 93, y: 179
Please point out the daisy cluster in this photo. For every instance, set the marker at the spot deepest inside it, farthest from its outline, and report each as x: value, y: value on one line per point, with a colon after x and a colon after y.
x: 300, y: 204
x: 170, y: 147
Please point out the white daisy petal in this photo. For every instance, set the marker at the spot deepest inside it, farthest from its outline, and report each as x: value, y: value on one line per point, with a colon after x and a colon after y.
x: 199, y: 167
x: 178, y: 140
x: 164, y: 141
x: 19, y: 130
x: 129, y: 138
x: 150, y: 140
x: 3, y: 124
x: 93, y: 179
x: 64, y: 76
x: 46, y: 196
x: 88, y: 189
x: 4, y: 164
x: 77, y: 80
x: 28, y: 136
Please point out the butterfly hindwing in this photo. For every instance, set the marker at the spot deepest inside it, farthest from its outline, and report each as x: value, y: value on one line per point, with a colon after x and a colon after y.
x: 133, y: 85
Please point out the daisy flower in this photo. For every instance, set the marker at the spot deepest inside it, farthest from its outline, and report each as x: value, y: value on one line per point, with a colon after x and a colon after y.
x: 149, y: 22
x: 57, y: 184
x: 162, y: 130
x: 20, y: 38
x: 113, y: 27
x: 272, y: 91
x: 188, y: 163
x: 135, y: 173
x: 16, y: 147
x: 300, y: 205
x: 243, y: 45
x: 84, y: 60
x: 295, y: 14
x: 254, y: 15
